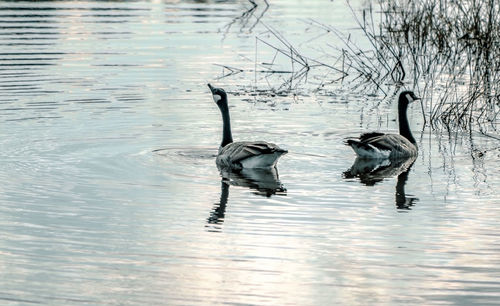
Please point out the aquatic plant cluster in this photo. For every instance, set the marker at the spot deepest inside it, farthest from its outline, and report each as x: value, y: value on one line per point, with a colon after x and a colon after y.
x: 448, y: 49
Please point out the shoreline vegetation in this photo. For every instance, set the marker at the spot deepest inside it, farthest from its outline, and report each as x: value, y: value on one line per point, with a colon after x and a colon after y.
x: 447, y: 52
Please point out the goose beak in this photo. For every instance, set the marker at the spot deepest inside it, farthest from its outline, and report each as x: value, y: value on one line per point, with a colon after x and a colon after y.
x: 211, y: 88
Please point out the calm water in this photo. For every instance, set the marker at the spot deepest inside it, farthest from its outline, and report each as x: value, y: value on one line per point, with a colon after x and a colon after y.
x: 110, y: 193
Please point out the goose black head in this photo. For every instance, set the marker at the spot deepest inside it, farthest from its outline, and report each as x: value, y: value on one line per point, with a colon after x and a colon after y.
x: 219, y: 95
x: 408, y: 97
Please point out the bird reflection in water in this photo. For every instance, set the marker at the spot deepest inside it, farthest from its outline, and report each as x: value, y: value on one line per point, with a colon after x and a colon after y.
x: 264, y: 182
x: 373, y: 171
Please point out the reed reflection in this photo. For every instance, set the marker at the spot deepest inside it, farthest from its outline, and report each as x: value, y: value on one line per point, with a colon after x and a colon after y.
x: 246, y: 16
x: 263, y: 182
x: 373, y: 171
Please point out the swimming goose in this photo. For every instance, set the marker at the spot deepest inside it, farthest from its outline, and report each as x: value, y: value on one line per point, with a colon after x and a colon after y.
x: 392, y: 146
x: 247, y: 154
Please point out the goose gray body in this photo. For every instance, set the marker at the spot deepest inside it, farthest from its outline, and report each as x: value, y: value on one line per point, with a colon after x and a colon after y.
x: 248, y: 154
x: 245, y: 154
x: 392, y: 146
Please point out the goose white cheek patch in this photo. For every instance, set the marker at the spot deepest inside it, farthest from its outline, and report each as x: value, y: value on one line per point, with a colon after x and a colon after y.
x: 217, y: 98
x: 410, y: 99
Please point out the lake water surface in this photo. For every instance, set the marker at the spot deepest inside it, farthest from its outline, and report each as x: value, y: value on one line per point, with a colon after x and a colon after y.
x: 110, y: 193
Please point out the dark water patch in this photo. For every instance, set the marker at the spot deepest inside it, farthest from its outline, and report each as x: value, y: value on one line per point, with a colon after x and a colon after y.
x: 24, y: 80
x: 116, y: 65
x: 27, y: 27
x: 34, y: 53
x: 27, y: 44
x: 112, y: 16
x: 198, y: 8
x: 3, y: 100
x: 67, y: 81
x: 43, y: 16
x: 108, y: 89
x: 27, y: 108
x: 88, y: 101
x: 118, y: 107
x: 41, y: 8
x: 32, y: 70
x: 26, y: 64
x: 105, y: 21
x: 14, y: 86
x: 27, y: 21
x: 36, y: 91
x: 130, y: 98
x: 111, y: 33
x: 30, y: 17
x: 44, y: 103
x: 34, y: 118
x: 28, y: 33
x: 17, y: 74
x: 32, y: 38
x: 25, y: 89
x: 31, y: 59
x: 202, y: 21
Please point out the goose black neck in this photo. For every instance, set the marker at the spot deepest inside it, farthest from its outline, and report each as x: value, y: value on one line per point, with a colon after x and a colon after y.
x: 227, y: 137
x: 404, y: 126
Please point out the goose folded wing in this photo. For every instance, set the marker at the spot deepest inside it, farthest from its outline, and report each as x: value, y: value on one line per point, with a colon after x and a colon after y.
x: 366, y: 137
x: 391, y: 142
x: 245, y: 150
x: 383, y: 142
